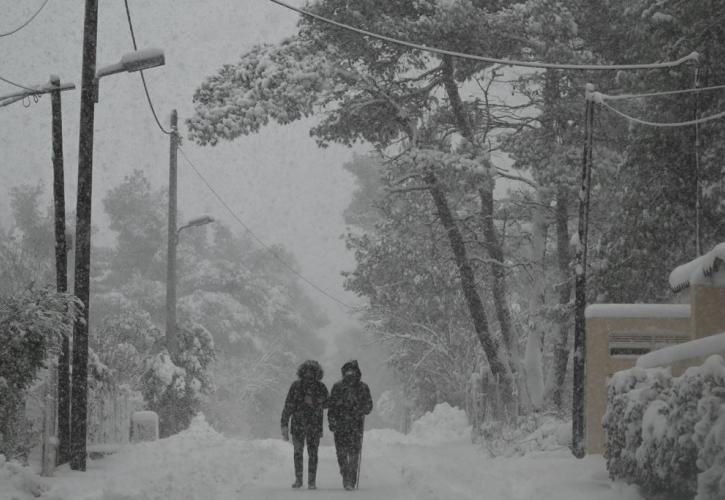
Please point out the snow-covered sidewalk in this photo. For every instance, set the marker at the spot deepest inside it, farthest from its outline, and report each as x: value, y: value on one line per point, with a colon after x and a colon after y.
x: 202, y: 464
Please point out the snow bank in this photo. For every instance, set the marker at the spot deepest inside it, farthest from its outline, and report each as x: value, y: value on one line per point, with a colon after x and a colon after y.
x: 445, y: 424
x: 698, y: 348
x: 194, y: 464
x: 700, y: 270
x: 534, y: 433
x: 637, y: 311
x: 18, y: 482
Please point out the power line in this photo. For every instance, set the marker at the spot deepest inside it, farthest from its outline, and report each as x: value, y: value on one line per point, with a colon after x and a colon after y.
x: 617, y: 97
x: 258, y: 239
x: 640, y: 121
x: 18, y: 85
x: 12, y: 32
x: 143, y: 78
x: 508, y: 62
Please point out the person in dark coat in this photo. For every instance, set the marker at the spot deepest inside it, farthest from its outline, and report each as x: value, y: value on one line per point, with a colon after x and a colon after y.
x: 305, y: 400
x: 349, y: 402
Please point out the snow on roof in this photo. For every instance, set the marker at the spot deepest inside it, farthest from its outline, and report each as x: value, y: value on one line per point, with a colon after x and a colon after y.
x: 145, y: 416
x: 637, y: 311
x: 698, y: 271
x: 698, y: 348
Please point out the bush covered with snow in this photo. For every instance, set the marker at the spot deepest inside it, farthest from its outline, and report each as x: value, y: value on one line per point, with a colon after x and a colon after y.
x: 667, y: 434
x: 180, y: 382
x: 18, y: 481
x: 32, y: 324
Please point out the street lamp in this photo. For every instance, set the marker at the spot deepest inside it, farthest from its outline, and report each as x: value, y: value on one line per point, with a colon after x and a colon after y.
x: 171, y: 276
x: 169, y: 423
x: 129, y: 63
x: 199, y: 221
x: 135, y: 61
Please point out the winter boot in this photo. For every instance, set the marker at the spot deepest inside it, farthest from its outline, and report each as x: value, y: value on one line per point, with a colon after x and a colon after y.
x: 297, y: 483
x: 311, y: 482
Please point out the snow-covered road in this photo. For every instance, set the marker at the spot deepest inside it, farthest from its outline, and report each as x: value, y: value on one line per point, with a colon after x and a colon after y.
x: 202, y: 464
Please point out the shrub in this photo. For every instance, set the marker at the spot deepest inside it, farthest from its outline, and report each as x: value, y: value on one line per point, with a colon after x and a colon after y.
x: 32, y: 324
x: 667, y: 434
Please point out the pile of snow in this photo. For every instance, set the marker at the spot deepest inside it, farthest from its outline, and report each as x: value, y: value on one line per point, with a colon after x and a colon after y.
x: 18, y: 482
x: 445, y: 424
x: 196, y: 463
x: 535, y: 433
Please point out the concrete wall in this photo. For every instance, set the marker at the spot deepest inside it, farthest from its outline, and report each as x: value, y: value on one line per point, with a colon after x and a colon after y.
x: 708, y: 310
x: 600, y: 365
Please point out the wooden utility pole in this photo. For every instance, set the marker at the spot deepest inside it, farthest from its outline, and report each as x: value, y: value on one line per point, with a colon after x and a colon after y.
x: 580, y: 284
x: 79, y: 390
x: 169, y: 423
x: 171, y: 240
x: 61, y: 273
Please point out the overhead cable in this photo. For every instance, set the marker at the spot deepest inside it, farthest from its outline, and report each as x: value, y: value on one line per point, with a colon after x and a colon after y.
x: 494, y: 60
x: 616, y: 97
x: 12, y: 32
x: 258, y: 239
x: 640, y: 121
x: 31, y: 89
x: 143, y: 78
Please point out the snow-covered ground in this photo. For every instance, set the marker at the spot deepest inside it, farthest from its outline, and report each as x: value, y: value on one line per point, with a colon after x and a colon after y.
x: 434, y: 461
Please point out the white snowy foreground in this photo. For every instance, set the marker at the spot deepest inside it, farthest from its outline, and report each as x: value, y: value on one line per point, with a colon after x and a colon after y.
x: 427, y: 464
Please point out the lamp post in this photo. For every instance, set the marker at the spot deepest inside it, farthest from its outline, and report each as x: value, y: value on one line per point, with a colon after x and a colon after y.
x: 171, y: 343
x: 168, y: 426
x: 131, y: 62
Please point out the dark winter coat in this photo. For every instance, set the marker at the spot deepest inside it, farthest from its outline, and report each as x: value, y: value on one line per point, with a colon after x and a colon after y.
x: 305, y: 401
x: 349, y: 401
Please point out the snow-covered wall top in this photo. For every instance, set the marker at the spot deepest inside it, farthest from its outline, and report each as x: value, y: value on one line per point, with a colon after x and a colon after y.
x: 699, y: 348
x: 637, y: 311
x: 698, y: 271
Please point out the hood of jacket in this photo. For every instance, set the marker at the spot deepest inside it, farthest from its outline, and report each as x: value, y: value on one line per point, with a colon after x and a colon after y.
x: 352, y: 365
x: 311, y: 367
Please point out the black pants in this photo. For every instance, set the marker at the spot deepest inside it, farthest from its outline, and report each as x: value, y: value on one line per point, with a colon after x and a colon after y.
x: 313, y: 442
x: 348, y: 444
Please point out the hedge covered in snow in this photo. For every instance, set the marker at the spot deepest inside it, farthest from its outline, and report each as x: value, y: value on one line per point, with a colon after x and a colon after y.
x: 667, y: 434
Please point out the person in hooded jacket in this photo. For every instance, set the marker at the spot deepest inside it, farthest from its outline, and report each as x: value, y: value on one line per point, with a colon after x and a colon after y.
x: 349, y: 402
x: 306, y: 398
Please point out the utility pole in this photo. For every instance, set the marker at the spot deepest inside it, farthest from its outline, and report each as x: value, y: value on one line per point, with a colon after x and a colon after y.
x: 580, y: 284
x: 169, y: 423
x: 79, y: 391
x: 61, y: 273
x: 171, y: 240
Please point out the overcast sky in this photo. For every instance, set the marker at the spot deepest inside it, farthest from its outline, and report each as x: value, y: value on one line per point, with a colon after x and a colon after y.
x: 285, y: 188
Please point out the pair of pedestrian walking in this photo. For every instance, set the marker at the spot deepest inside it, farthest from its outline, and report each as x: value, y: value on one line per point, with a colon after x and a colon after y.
x: 347, y: 404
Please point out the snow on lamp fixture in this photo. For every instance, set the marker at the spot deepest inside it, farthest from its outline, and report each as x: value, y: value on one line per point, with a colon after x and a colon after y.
x: 200, y: 221
x: 133, y: 61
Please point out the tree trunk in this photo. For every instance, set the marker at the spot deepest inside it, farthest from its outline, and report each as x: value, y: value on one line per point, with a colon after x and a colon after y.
x: 498, y: 271
x: 561, y: 351
x: 490, y: 345
x: 493, y: 246
x: 537, y: 299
